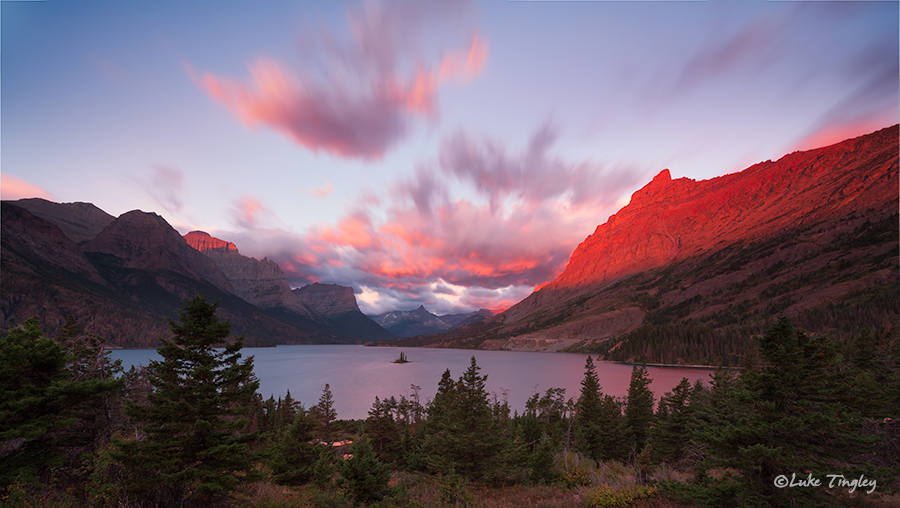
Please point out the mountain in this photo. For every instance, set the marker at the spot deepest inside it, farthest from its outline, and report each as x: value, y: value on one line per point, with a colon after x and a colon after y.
x: 145, y: 240
x: 78, y: 221
x: 689, y: 270
x: 125, y: 282
x: 260, y: 283
x: 421, y: 322
x: 338, y: 305
x: 45, y: 275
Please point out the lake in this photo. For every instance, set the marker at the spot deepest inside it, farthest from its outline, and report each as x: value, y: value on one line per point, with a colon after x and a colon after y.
x: 357, y: 374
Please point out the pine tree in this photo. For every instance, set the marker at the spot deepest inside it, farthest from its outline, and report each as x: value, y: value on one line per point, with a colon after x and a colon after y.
x: 787, y: 415
x: 364, y: 475
x: 587, y: 414
x: 193, y: 453
x: 667, y: 438
x: 639, y: 408
x: 461, y: 433
x: 382, y: 432
x: 326, y: 415
x: 293, y: 454
x: 45, y: 403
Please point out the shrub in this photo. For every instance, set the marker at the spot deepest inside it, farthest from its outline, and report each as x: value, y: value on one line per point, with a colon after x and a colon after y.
x: 606, y: 497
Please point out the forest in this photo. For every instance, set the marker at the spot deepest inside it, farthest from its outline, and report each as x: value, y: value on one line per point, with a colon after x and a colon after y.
x: 805, y: 421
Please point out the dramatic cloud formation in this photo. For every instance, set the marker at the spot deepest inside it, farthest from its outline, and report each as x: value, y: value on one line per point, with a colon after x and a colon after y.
x: 13, y: 188
x: 522, y: 215
x: 369, y: 89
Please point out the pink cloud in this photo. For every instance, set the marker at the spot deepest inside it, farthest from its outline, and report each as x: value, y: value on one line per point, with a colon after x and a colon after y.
x: 374, y: 85
x: 246, y: 211
x: 528, y: 211
x: 324, y: 191
x: 12, y: 188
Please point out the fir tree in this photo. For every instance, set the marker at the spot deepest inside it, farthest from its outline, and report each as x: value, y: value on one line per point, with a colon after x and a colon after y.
x: 294, y: 455
x: 47, y: 403
x: 639, y: 408
x: 461, y: 433
x: 587, y: 414
x: 364, y: 475
x: 382, y: 432
x: 667, y: 438
x: 194, y: 453
x: 326, y: 415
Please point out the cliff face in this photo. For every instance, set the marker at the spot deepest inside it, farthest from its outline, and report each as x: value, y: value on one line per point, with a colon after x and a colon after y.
x: 78, y: 221
x: 338, y: 305
x: 671, y: 220
x: 709, y: 263
x: 147, y: 241
x: 202, y: 241
x: 260, y: 283
x: 328, y: 299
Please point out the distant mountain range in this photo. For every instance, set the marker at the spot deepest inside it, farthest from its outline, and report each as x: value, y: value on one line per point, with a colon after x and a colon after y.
x: 689, y: 270
x: 421, y: 322
x: 121, y: 277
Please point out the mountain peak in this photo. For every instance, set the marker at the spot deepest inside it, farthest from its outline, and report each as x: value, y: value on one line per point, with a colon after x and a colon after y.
x: 202, y: 241
x: 145, y: 240
x: 670, y: 220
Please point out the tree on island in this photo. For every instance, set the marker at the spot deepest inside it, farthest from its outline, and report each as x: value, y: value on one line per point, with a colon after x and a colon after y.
x: 194, y: 452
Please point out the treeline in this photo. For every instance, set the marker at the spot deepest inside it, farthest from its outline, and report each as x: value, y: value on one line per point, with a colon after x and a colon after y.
x: 192, y: 430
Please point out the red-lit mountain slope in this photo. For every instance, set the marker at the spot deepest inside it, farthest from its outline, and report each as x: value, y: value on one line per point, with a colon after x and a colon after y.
x: 708, y: 263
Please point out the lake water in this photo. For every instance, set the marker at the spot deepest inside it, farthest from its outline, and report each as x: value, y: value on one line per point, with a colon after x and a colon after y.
x: 357, y: 374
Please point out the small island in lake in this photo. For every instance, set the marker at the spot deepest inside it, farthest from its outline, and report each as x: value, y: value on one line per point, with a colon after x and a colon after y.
x: 402, y: 358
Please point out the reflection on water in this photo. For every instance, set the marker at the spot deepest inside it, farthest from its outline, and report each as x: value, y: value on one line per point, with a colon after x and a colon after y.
x: 358, y: 374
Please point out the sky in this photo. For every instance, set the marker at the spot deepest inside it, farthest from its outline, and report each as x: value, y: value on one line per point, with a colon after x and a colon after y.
x: 445, y: 154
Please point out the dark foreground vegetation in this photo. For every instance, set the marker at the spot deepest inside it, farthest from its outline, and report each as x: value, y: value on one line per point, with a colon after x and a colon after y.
x: 191, y: 430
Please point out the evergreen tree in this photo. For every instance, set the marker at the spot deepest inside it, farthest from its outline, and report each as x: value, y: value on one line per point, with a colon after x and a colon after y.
x: 587, y: 414
x: 611, y: 422
x: 326, y: 415
x: 788, y: 415
x: 294, y: 455
x: 193, y: 453
x: 364, y: 475
x: 639, y: 408
x: 667, y: 438
x: 461, y: 433
x: 44, y: 404
x: 382, y: 432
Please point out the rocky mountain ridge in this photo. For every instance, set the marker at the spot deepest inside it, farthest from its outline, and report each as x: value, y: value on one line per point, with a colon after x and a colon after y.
x: 78, y: 221
x: 259, y: 282
x: 338, y: 305
x: 688, y: 271
x: 123, y: 283
x: 421, y: 322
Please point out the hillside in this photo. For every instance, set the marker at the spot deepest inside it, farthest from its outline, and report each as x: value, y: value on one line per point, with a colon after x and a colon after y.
x: 689, y: 270
x: 124, y: 282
